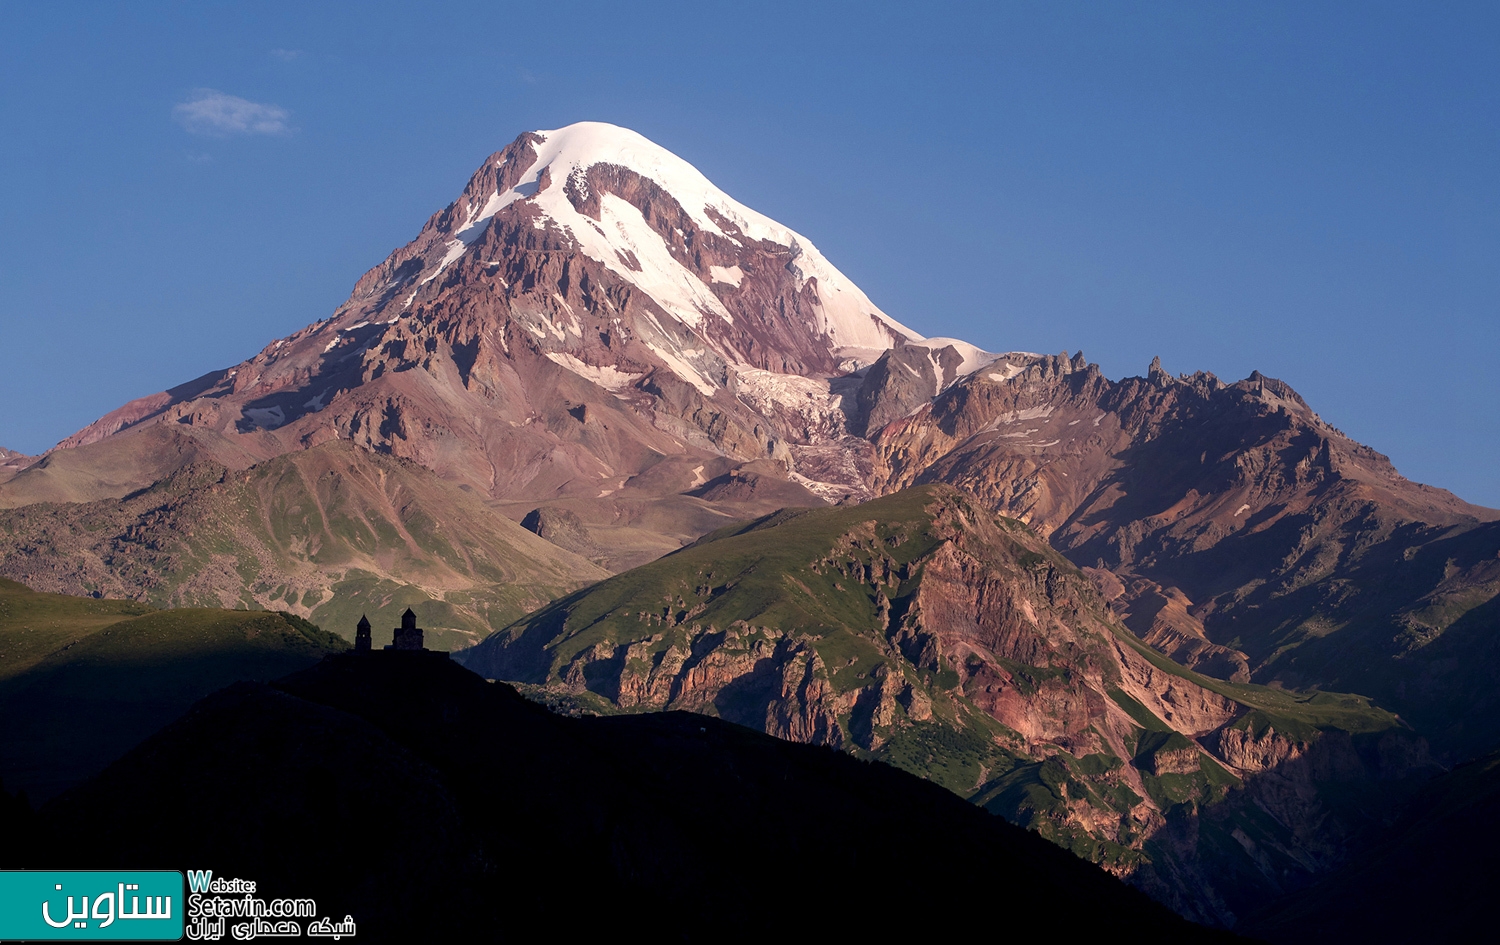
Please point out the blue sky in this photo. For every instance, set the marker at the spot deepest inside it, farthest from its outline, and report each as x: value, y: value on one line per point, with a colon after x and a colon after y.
x: 1309, y: 190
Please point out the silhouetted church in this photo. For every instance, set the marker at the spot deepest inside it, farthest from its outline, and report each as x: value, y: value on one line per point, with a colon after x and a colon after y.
x: 408, y: 635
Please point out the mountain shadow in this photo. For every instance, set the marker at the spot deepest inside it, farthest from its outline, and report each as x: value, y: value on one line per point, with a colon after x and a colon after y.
x: 432, y: 805
x: 1426, y: 876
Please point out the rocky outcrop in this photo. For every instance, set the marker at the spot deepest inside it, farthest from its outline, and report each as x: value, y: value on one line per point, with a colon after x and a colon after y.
x: 803, y: 707
x: 902, y: 380
x: 563, y: 528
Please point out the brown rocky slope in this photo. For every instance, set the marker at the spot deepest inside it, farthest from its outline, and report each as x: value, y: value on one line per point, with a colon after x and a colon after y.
x: 327, y: 533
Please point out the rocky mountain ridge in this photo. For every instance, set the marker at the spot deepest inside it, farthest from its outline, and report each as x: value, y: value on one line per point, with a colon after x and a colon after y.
x: 1232, y: 527
x: 585, y: 278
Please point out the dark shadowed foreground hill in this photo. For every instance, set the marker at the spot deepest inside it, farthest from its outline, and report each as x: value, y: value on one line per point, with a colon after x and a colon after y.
x: 1428, y: 876
x: 430, y: 804
x: 88, y: 679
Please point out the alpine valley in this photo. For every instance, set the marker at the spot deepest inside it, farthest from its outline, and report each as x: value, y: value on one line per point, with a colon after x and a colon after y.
x: 631, y: 446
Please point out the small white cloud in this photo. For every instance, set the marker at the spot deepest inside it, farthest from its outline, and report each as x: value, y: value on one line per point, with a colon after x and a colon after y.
x: 210, y: 112
x: 286, y: 55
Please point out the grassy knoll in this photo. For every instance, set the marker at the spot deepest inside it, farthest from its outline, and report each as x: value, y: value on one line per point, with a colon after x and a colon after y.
x: 84, y: 704
x: 33, y: 624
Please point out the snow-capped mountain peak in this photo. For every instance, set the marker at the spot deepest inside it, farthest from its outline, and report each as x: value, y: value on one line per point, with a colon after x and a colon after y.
x: 589, y: 304
x: 615, y: 231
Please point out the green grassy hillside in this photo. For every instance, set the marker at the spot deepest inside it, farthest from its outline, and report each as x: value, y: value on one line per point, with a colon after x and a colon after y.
x: 33, y: 624
x: 81, y: 706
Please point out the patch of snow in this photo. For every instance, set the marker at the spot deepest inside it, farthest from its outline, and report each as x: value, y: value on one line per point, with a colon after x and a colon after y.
x: 974, y: 359
x: 730, y: 276
x: 1242, y: 510
x: 685, y: 370
x: 698, y: 478
x: 828, y: 491
x: 764, y: 388
x: 807, y: 402
x: 608, y: 377
x: 1097, y: 419
x: 1074, y: 423
x: 316, y: 403
x: 1029, y: 413
x: 474, y: 226
x: 1016, y: 416
x: 1007, y: 371
x: 267, y: 418
x: 860, y: 357
x: 937, y: 372
x: 573, y: 324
